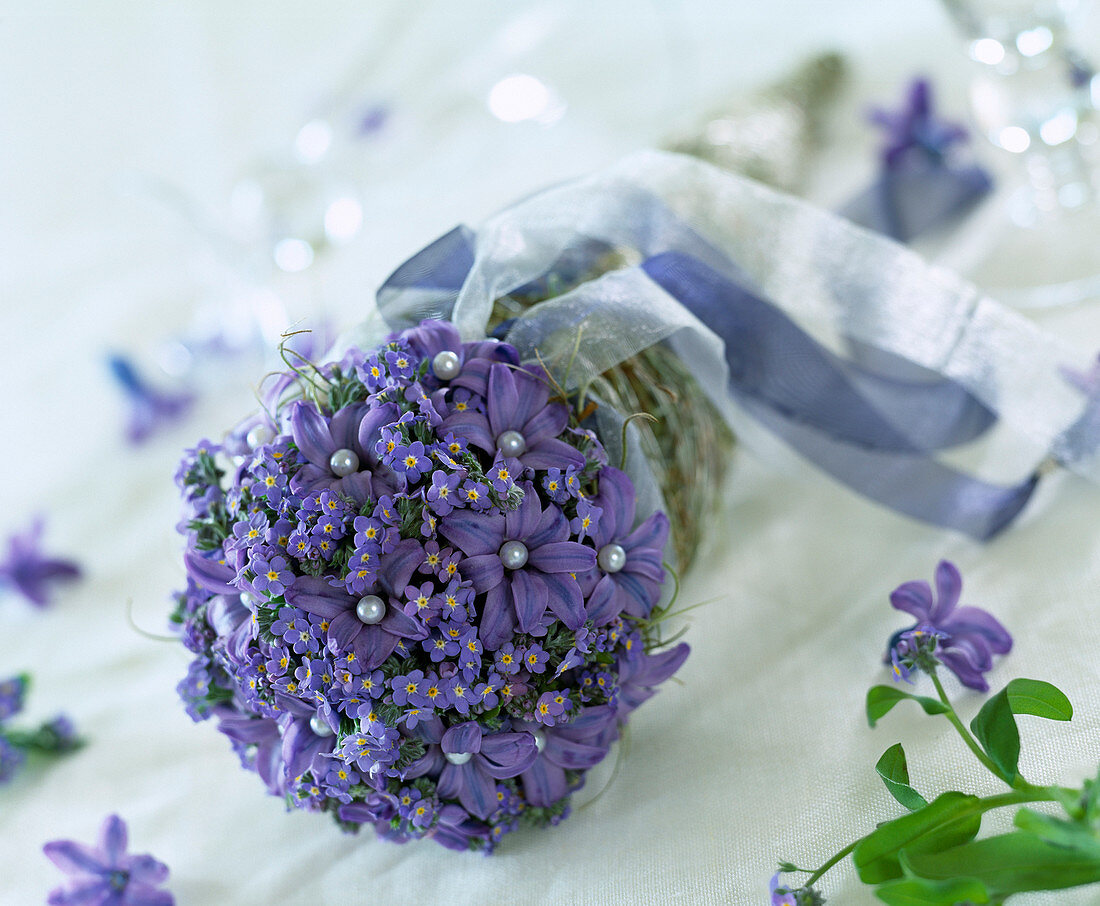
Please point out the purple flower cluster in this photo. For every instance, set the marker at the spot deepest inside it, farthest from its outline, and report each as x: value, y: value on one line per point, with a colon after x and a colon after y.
x: 53, y: 737
x: 419, y: 598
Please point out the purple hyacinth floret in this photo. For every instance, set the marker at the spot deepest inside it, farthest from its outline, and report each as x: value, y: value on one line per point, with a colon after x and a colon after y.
x: 399, y: 601
x: 963, y: 639
x: 151, y: 409
x: 106, y: 875
x: 31, y: 572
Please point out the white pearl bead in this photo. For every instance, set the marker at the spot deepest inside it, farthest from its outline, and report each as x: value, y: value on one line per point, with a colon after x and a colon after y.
x: 446, y: 365
x: 343, y: 462
x: 540, y: 740
x: 513, y: 554
x: 258, y: 435
x: 611, y: 558
x: 512, y: 443
x: 370, y: 609
x: 458, y: 757
x: 319, y: 726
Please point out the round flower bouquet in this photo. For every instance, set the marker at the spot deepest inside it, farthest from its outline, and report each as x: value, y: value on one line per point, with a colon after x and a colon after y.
x: 419, y: 596
x: 427, y: 582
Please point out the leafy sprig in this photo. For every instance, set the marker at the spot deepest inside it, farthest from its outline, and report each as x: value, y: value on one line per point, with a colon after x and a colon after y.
x: 932, y: 854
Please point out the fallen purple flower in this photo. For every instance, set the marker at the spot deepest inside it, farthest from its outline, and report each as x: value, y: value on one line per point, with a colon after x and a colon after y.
x: 150, y: 408
x: 29, y: 571
x: 966, y: 637
x: 106, y: 875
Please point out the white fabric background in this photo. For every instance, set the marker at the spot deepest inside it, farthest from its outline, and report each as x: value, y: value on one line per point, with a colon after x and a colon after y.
x: 760, y: 752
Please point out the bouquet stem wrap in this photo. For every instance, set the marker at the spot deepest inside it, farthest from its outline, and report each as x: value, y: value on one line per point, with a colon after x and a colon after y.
x: 873, y: 365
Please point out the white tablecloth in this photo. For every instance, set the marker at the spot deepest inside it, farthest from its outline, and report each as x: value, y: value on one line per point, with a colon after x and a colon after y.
x: 759, y: 751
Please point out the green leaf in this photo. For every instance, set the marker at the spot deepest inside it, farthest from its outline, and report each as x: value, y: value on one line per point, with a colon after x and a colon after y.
x: 1007, y: 864
x: 1028, y: 696
x: 881, y: 699
x: 995, y: 728
x: 1057, y: 831
x: 919, y: 892
x: 894, y: 772
x: 949, y: 820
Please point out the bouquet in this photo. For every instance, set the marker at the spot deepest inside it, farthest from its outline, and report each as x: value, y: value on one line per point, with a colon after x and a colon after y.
x: 427, y: 583
x: 421, y: 598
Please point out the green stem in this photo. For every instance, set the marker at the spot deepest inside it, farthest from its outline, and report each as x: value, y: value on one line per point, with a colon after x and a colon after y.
x: 840, y: 855
x: 970, y: 741
x: 1015, y: 797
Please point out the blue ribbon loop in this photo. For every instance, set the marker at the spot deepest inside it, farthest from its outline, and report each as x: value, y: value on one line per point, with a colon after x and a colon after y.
x: 874, y: 424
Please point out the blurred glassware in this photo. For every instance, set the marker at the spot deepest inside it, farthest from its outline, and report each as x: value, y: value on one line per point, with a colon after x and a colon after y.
x: 534, y: 66
x: 1035, y: 96
x: 770, y: 135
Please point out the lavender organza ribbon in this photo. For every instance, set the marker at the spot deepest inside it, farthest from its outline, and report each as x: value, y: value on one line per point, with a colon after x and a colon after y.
x: 751, y: 288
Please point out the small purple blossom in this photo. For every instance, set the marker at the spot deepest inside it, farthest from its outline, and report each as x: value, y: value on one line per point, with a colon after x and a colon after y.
x: 469, y: 656
x: 789, y: 896
x: 337, y: 781
x: 410, y: 461
x: 487, y: 692
x: 443, y: 495
x: 461, y: 694
x: 554, y: 485
x: 400, y: 363
x: 912, y: 651
x: 502, y: 474
x: 421, y: 813
x: 587, y: 521
x: 968, y: 637
x: 407, y: 689
x: 535, y: 658
x: 475, y: 495
x: 106, y: 875
x: 456, y: 600
x: 550, y: 707
x: 272, y: 576
x: 251, y: 531
x: 268, y: 481
x: 421, y: 602
x: 508, y: 659
x: 29, y: 571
